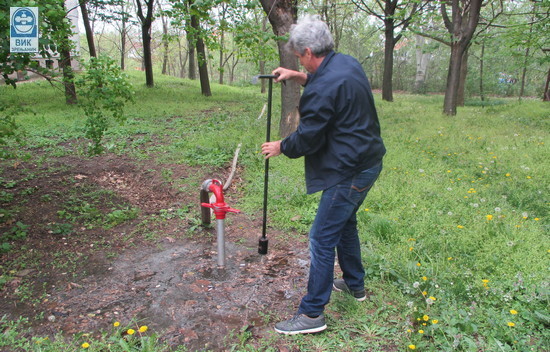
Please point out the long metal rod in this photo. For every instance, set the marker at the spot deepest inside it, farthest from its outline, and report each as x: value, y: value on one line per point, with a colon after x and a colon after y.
x: 221, y: 242
x: 266, y: 171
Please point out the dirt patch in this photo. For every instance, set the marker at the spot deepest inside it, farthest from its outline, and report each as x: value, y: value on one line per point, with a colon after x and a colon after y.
x: 80, y: 268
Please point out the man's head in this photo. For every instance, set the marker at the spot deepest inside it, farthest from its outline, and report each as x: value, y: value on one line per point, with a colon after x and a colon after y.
x: 310, y: 32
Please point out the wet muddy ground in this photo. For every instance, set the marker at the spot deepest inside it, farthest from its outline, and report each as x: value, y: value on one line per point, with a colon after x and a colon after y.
x: 158, y: 269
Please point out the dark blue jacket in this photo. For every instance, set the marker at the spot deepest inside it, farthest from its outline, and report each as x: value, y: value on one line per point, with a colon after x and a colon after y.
x: 339, y: 132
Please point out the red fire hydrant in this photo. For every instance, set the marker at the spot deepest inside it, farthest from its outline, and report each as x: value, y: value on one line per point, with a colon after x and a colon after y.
x: 220, y: 209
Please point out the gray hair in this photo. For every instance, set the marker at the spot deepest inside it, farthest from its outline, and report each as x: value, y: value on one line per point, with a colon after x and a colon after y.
x: 310, y: 32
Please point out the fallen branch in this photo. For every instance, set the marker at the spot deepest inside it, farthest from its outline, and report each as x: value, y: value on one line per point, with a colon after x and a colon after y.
x: 233, y: 168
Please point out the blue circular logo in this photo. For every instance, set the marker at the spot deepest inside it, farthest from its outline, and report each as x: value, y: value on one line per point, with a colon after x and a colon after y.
x: 23, y: 21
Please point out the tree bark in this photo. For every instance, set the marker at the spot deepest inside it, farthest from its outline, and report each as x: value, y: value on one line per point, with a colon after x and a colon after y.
x: 422, y: 61
x: 146, y: 22
x: 123, y: 46
x: 87, y: 28
x: 68, y: 74
x: 481, y: 62
x: 201, y: 55
x: 282, y: 14
x: 164, y: 42
x: 546, y: 90
x: 461, y: 97
x: 461, y: 28
x: 389, y: 45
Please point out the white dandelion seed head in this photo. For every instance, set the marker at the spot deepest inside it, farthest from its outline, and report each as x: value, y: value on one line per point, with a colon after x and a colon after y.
x: 421, y: 170
x: 413, y: 205
x: 482, y: 200
x: 450, y: 213
x: 416, y: 284
x: 475, y: 205
x: 525, y: 214
x: 429, y: 301
x: 449, y: 189
x: 410, y: 304
x: 497, y: 209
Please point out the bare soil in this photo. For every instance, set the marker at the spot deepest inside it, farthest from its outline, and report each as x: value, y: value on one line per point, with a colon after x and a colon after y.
x: 159, y: 269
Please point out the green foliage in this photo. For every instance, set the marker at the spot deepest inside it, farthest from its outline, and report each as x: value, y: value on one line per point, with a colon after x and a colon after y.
x: 105, y: 90
x: 16, y: 233
x: 460, y: 200
x: 129, y: 338
x: 54, y: 29
x: 8, y: 127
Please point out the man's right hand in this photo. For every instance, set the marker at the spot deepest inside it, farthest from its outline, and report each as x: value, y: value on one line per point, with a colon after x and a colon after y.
x: 284, y: 74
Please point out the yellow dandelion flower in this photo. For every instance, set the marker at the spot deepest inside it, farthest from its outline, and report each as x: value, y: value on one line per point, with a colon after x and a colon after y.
x: 460, y: 226
x: 424, y: 278
x: 116, y: 324
x: 420, y: 331
x: 367, y: 209
x: 411, y: 249
x: 510, y: 324
x: 426, y: 318
x: 131, y: 331
x: 489, y: 217
x: 485, y: 281
x: 85, y: 345
x: 537, y: 219
x: 450, y: 258
x: 424, y: 293
x: 513, y: 311
x: 408, y: 330
x: 418, y: 264
x: 435, y: 321
x: 412, y: 347
x: 433, y: 298
x: 143, y: 328
x: 508, y: 175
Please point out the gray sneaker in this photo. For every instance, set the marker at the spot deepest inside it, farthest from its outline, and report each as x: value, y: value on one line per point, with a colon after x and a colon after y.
x: 301, y: 324
x: 341, y: 286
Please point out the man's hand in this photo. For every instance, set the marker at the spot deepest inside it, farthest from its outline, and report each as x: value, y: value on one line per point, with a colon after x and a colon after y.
x: 284, y: 74
x: 271, y: 149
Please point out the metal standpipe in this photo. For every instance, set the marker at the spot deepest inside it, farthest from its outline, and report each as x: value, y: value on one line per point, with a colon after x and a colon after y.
x: 220, y: 209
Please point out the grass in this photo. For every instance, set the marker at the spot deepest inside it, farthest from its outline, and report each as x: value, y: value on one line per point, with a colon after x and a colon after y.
x: 455, y: 232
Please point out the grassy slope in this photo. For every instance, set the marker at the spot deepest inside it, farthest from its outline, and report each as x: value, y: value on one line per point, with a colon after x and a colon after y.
x: 459, y: 213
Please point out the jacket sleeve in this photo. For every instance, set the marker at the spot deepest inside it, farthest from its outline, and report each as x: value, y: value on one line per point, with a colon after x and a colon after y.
x: 317, y: 110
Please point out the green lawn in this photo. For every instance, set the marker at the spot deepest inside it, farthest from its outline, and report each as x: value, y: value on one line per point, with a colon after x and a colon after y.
x: 455, y: 231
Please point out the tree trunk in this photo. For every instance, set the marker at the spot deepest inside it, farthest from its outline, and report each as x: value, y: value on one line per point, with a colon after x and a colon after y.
x: 460, y: 99
x: 192, y: 61
x: 164, y: 43
x: 123, y: 46
x: 546, y: 91
x: 282, y: 14
x: 87, y: 28
x: 68, y: 73
x: 220, y: 68
x: 481, y: 62
x: 453, y: 79
x: 422, y: 61
x: 461, y: 28
x: 146, y: 22
x: 389, y: 45
x: 201, y: 56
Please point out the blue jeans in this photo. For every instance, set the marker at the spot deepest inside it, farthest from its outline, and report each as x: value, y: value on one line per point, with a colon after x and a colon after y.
x: 335, y: 226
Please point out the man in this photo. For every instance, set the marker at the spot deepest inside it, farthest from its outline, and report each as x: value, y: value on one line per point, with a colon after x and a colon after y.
x: 339, y: 136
